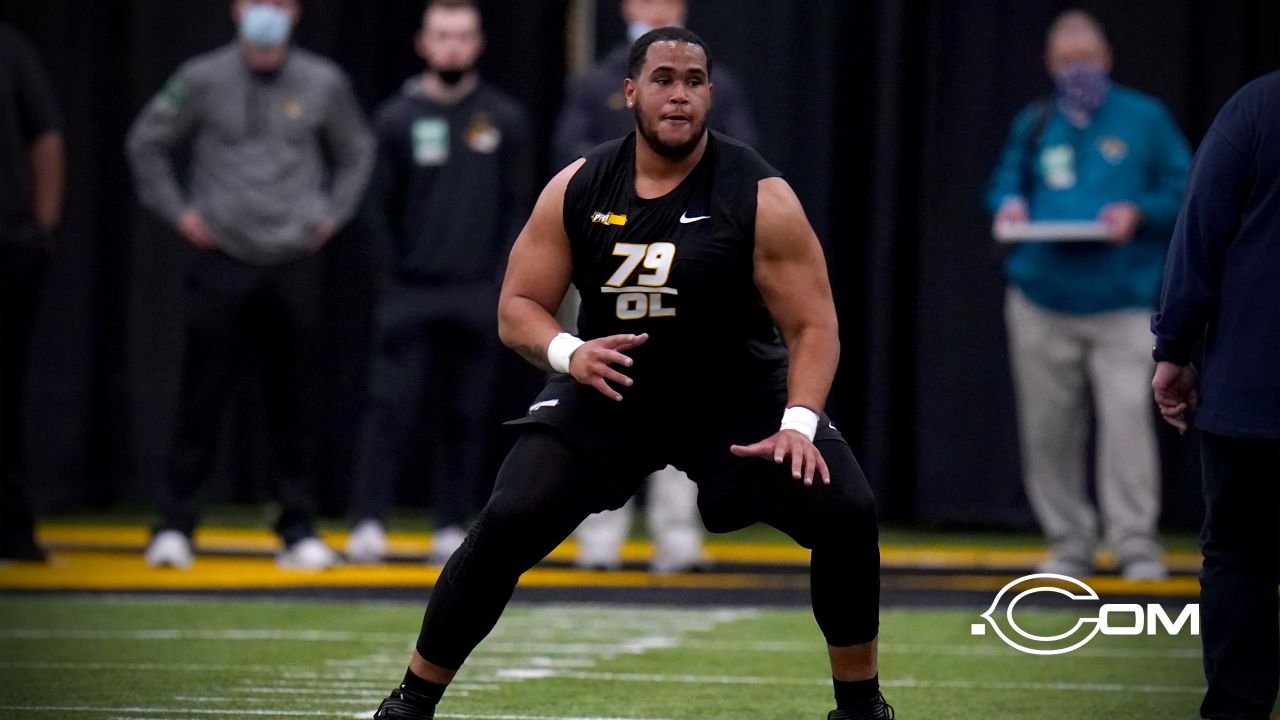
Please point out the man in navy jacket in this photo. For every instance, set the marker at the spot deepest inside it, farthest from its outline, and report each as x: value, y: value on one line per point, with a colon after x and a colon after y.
x: 1220, y: 285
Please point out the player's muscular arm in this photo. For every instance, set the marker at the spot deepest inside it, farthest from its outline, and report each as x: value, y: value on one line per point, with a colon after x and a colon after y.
x: 791, y: 273
x: 538, y: 273
x: 792, y: 276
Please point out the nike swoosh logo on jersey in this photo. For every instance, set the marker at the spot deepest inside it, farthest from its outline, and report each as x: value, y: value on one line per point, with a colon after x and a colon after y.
x: 685, y: 219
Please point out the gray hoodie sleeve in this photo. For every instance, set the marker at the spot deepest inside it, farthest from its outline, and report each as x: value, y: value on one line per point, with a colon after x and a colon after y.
x: 165, y: 122
x: 347, y: 135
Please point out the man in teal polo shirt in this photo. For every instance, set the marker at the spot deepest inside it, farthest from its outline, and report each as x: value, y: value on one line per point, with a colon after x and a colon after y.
x: 1077, y: 312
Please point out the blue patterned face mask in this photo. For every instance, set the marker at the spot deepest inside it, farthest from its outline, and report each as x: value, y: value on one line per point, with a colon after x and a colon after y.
x: 1081, y: 88
x: 264, y: 25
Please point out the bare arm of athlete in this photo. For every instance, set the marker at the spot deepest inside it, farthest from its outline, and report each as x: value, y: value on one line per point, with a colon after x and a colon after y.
x: 538, y: 274
x: 791, y: 273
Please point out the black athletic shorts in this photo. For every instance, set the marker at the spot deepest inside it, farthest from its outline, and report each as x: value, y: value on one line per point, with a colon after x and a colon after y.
x: 631, y: 439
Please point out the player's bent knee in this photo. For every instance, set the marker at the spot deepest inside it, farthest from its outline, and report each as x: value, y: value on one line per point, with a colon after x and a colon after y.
x: 847, y: 519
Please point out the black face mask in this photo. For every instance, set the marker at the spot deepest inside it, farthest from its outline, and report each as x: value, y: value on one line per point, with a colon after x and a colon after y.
x: 452, y: 76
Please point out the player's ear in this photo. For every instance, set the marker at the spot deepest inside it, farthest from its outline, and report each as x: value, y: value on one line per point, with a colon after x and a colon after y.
x: 629, y: 92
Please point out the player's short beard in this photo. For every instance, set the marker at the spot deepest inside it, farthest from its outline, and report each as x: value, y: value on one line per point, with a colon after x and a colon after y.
x: 666, y: 150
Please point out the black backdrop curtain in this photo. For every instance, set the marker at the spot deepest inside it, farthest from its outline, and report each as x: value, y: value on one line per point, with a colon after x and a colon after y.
x: 886, y: 115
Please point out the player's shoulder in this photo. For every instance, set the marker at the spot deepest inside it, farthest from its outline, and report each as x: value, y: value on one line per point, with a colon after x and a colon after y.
x: 738, y: 158
x: 596, y: 170
x: 606, y: 156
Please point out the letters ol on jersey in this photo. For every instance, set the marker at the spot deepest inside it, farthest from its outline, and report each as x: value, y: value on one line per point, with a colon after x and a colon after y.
x: 644, y: 299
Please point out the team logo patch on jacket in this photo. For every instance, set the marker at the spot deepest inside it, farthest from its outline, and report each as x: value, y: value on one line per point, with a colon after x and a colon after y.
x: 1113, y: 149
x: 482, y: 135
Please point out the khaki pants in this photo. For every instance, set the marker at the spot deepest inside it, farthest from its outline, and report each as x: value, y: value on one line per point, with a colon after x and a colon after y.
x: 1056, y: 357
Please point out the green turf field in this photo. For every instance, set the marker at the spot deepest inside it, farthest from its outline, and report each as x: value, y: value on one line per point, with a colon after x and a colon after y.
x: 104, y: 658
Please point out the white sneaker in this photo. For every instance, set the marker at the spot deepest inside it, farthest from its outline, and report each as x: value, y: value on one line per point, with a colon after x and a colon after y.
x: 444, y: 543
x: 1143, y: 570
x: 169, y: 548
x: 308, y: 554
x: 672, y: 562
x: 367, y: 543
x: 677, y: 550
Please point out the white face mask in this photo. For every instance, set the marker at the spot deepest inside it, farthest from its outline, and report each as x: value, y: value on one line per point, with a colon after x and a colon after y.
x: 265, y: 25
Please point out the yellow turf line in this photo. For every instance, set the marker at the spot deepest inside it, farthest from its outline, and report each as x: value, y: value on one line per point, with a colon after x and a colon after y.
x: 73, y: 570
x: 113, y: 571
x: 73, y: 536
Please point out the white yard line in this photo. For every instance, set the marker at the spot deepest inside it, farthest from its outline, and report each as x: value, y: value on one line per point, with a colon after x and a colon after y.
x: 822, y: 682
x: 979, y: 648
x: 497, y: 645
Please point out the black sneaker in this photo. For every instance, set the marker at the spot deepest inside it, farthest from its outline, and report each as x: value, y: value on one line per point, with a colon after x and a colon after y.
x: 404, y: 704
x: 874, y: 709
x: 23, y: 549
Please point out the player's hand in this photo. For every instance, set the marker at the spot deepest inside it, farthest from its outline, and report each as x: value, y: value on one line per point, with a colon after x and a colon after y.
x: 1122, y: 220
x: 806, y: 461
x: 1177, y: 393
x: 1013, y: 210
x: 192, y: 227
x: 592, y: 363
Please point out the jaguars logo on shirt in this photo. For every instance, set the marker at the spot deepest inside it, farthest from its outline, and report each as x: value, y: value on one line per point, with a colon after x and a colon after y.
x: 1113, y: 149
x: 482, y: 135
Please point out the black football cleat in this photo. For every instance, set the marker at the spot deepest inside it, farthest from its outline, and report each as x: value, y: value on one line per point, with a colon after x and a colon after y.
x: 874, y: 709
x: 404, y: 704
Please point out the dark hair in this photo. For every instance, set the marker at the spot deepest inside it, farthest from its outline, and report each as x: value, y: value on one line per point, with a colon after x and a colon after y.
x: 640, y: 48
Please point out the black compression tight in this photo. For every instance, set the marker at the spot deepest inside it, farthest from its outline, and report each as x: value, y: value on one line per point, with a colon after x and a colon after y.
x: 544, y: 490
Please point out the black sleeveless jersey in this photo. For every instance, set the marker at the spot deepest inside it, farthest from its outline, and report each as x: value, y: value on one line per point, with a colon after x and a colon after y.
x: 679, y: 267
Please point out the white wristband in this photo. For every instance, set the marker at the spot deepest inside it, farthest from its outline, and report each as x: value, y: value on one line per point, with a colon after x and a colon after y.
x: 561, y: 349
x: 802, y: 420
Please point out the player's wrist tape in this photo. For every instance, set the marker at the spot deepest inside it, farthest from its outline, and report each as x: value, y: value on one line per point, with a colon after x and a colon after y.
x: 802, y: 420
x: 561, y: 349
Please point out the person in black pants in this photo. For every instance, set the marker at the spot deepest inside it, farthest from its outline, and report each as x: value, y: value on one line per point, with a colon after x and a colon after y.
x: 453, y: 179
x: 695, y: 261
x: 238, y: 317
x: 1220, y: 286
x: 32, y: 170
x: 280, y: 157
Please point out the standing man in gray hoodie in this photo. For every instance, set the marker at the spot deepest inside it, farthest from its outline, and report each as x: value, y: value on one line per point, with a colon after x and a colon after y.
x: 259, y: 204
